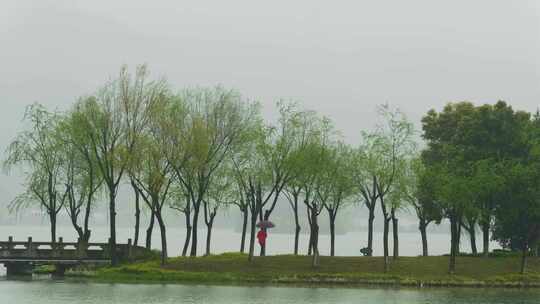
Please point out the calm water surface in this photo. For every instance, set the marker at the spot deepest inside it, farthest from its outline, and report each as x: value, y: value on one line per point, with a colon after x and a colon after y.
x: 48, y: 291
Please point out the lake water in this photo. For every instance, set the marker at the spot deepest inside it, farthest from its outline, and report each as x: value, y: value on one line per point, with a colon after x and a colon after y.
x: 49, y: 292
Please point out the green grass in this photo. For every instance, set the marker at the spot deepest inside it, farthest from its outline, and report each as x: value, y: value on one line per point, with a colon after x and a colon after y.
x: 411, y: 271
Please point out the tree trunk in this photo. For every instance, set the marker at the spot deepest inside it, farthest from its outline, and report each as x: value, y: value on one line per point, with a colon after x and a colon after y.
x: 310, y: 242
x: 188, y: 233
x: 209, y: 217
x: 524, y: 258
x: 209, y: 236
x: 297, y: 225
x: 187, y: 214
x: 472, y: 237
x: 163, y: 232
x: 196, y: 209
x: 79, y: 230
x: 149, y: 232
x: 370, y: 230
x: 52, y: 218
x: 88, y: 210
x: 386, y: 231
x: 263, y: 246
x: 73, y: 218
x: 332, y: 234
x: 254, y: 209
x: 395, y: 231
x: 485, y: 234
x: 244, y: 230
x: 252, y: 235
x: 87, y: 232
x: 112, y: 222
x: 458, y: 237
x: 315, y: 238
x: 454, y: 233
x: 137, y: 215
x: 423, y: 233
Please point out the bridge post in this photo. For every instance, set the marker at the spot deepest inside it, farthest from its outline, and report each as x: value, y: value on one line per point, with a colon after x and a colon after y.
x: 10, y: 243
x: 58, y: 248
x: 30, y: 252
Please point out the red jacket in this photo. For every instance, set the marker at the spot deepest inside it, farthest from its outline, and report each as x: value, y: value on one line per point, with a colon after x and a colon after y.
x: 261, y: 236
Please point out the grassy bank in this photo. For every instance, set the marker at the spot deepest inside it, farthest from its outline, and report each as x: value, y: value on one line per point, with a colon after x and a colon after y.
x: 408, y: 271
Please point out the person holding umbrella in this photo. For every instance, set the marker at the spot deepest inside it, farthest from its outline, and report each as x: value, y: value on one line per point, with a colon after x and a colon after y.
x: 262, y: 235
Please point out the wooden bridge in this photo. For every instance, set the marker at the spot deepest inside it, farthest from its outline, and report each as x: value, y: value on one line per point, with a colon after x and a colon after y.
x: 20, y: 258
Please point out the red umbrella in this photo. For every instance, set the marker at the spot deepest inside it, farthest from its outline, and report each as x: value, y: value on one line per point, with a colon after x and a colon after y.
x: 265, y: 224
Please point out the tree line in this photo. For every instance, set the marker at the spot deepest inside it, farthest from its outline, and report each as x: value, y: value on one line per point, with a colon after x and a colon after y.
x: 199, y: 150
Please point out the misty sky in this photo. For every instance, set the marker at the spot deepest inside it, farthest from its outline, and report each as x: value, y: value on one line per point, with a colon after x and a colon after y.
x: 341, y: 58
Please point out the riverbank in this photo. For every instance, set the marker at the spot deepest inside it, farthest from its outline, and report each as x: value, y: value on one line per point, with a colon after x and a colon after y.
x: 287, y: 269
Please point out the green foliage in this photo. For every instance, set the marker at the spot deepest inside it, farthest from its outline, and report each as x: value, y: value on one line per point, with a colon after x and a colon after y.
x: 336, y: 186
x: 517, y: 224
x: 38, y: 151
x: 417, y: 189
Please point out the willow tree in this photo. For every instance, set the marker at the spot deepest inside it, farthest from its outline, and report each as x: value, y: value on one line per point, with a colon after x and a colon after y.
x: 150, y: 169
x: 307, y: 128
x: 113, y: 120
x: 316, y: 151
x: 377, y: 163
x: 292, y: 192
x: 201, y: 129
x: 221, y: 194
x: 336, y: 186
x: 281, y: 151
x: 82, y: 177
x: 153, y: 179
x: 243, y: 206
x: 314, y: 199
x: 417, y: 190
x: 253, y: 175
x: 270, y: 160
x: 82, y: 185
x: 179, y: 200
x: 366, y: 184
x: 37, y: 151
x: 392, y: 141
